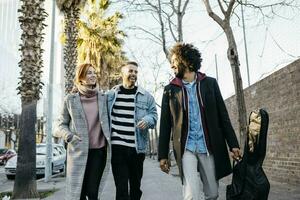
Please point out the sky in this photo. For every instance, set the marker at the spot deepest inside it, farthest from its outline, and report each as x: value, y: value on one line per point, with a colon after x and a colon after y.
x: 270, y: 47
x: 263, y: 41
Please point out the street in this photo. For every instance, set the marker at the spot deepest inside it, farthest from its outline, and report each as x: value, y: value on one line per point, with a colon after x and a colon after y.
x: 4, y: 182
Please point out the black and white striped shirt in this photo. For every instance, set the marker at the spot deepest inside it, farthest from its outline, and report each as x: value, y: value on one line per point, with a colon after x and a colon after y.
x: 122, y: 116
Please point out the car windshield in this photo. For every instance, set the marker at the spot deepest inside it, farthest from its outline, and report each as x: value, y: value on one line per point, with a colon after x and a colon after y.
x: 2, y: 151
x: 41, y: 150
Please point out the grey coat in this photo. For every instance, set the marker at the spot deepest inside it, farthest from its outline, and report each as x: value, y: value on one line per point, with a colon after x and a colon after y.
x: 73, y: 121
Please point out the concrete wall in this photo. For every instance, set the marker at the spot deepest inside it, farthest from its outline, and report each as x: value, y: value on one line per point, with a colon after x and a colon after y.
x: 279, y: 94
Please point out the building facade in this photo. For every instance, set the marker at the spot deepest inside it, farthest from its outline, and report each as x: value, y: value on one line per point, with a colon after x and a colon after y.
x: 279, y: 94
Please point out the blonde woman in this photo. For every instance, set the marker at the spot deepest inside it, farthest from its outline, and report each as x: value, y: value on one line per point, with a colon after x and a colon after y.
x: 83, y: 124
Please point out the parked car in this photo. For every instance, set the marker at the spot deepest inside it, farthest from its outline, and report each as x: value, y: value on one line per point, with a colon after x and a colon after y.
x: 58, y: 161
x: 5, y: 155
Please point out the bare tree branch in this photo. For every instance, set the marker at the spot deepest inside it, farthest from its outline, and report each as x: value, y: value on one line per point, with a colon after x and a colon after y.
x: 229, y: 9
x: 278, y: 45
x: 152, y: 5
x: 212, y: 14
x: 221, y: 7
x: 171, y: 29
x: 158, y: 39
x: 185, y: 6
x: 211, y: 40
x: 179, y: 5
x: 173, y: 6
x: 169, y: 17
x: 162, y: 30
x: 291, y: 3
x: 264, y: 45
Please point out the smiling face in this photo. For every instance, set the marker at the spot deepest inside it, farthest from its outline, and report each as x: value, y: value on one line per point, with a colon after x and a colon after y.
x: 129, y: 75
x: 90, y: 77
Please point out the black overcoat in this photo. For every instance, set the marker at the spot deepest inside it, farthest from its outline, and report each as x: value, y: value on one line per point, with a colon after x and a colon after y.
x: 217, y: 126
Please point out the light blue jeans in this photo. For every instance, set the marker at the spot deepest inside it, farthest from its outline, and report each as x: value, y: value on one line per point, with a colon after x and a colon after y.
x: 191, y: 181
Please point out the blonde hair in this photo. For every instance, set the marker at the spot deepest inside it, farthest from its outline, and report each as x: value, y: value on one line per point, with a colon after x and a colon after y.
x: 81, y: 71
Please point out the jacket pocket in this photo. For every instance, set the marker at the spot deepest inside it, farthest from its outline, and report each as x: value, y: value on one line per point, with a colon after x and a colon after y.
x: 141, y: 110
x: 142, y: 139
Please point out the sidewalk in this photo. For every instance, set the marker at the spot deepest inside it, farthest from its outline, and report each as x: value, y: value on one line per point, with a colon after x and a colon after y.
x: 55, y: 184
x: 157, y: 185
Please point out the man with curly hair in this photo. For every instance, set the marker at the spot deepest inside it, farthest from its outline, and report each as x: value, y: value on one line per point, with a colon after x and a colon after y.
x: 194, y: 111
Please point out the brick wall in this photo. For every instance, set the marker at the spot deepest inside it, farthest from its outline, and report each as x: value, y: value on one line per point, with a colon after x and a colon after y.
x: 279, y: 94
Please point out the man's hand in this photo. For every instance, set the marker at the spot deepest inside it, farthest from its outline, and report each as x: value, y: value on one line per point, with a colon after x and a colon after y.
x: 142, y: 124
x: 164, y: 165
x: 236, y: 154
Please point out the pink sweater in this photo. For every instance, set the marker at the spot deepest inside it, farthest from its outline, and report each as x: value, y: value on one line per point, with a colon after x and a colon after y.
x: 91, y: 110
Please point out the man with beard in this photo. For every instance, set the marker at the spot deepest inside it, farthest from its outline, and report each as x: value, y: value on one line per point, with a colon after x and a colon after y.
x: 132, y: 113
x: 194, y: 111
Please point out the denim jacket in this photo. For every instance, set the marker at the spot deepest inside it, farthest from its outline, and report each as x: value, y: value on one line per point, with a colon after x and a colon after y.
x: 145, y: 109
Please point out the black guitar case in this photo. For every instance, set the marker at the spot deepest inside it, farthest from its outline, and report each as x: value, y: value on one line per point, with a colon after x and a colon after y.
x: 249, y: 182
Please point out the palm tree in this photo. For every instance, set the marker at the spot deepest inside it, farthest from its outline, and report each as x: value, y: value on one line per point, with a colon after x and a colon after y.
x: 100, y: 42
x: 32, y: 16
x: 71, y: 11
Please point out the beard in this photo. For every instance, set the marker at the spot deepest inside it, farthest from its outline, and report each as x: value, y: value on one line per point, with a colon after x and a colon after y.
x: 130, y: 80
x: 180, y: 73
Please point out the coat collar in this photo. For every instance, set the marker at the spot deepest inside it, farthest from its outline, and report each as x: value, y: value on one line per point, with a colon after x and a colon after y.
x: 178, y: 82
x: 139, y: 89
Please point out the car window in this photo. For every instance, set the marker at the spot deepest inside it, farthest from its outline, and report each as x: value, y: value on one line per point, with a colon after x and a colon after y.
x: 41, y: 150
x: 55, y: 152
x: 62, y: 149
x: 58, y: 150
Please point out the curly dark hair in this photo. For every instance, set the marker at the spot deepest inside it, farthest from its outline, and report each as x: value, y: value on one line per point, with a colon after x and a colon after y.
x: 188, y: 56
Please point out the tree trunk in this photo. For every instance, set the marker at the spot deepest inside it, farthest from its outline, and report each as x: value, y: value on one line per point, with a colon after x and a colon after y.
x: 103, y: 75
x: 8, y: 138
x: 70, y: 49
x: 232, y: 55
x: 162, y: 30
x: 180, y: 31
x: 25, y: 183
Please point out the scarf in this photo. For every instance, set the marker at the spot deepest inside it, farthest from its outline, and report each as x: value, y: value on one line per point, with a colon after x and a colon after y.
x: 87, y: 91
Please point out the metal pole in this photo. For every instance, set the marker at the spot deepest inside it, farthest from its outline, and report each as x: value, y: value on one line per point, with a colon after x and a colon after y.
x: 245, y: 44
x: 216, y: 61
x: 48, y: 167
x: 150, y: 144
x: 156, y: 141
x: 153, y: 144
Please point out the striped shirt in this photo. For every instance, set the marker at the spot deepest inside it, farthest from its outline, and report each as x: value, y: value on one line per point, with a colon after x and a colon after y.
x: 122, y: 116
